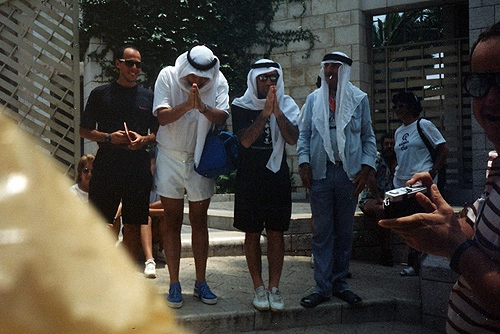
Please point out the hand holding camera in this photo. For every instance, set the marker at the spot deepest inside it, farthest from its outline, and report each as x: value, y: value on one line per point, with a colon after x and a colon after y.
x: 401, y: 202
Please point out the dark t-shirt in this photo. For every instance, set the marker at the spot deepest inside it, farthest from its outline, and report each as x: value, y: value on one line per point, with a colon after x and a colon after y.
x: 260, y: 194
x: 121, y: 174
x: 258, y: 154
x: 110, y: 105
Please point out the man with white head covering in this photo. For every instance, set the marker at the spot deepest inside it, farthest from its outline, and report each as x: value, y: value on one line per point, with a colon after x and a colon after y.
x: 189, y: 97
x: 336, y: 150
x: 264, y: 119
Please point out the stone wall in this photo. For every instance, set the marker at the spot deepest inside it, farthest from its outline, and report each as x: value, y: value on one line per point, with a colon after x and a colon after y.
x: 366, y: 245
x: 341, y: 25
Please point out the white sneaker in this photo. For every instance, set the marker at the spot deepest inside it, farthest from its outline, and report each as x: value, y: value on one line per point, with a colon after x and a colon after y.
x: 260, y: 299
x: 275, y: 301
x: 150, y: 269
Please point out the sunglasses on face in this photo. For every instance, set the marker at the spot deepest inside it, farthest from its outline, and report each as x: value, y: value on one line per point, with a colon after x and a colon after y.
x: 86, y: 171
x: 131, y: 63
x: 272, y: 77
x: 479, y: 84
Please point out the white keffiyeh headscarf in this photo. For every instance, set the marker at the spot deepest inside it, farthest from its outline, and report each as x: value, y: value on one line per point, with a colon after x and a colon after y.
x: 348, y: 97
x: 250, y: 101
x: 200, y: 61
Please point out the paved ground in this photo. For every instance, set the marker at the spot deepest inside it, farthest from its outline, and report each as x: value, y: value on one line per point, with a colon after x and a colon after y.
x: 383, y: 327
x: 391, y: 303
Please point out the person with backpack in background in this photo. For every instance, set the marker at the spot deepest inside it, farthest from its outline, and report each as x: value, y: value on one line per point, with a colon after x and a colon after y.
x: 412, y: 154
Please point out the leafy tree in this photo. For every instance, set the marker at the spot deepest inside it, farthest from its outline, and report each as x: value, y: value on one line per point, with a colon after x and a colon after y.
x: 408, y: 27
x: 163, y: 29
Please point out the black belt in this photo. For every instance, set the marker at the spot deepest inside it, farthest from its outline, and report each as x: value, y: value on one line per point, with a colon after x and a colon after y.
x: 336, y: 163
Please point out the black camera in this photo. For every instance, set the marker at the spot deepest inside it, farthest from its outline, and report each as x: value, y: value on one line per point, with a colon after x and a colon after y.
x: 401, y: 202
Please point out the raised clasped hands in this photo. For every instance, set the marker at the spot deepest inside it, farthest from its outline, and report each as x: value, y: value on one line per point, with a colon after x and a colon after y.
x: 438, y: 230
x: 194, y: 99
x: 271, y: 105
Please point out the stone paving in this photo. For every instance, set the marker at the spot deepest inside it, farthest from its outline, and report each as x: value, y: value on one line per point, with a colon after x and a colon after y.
x: 391, y: 303
x: 388, y: 299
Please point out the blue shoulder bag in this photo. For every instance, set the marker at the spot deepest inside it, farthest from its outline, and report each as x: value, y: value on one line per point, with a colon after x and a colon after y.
x: 220, y: 154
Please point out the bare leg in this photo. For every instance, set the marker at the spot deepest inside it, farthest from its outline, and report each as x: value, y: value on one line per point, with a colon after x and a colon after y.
x: 199, y: 236
x: 131, y: 239
x: 253, y: 254
x: 171, y: 233
x: 275, y: 257
x: 147, y: 240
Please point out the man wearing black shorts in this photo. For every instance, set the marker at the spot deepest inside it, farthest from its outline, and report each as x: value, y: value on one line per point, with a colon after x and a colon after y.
x: 122, y: 170
x: 264, y: 120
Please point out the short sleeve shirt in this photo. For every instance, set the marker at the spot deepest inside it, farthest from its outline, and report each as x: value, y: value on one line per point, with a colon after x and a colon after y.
x: 258, y: 154
x: 411, y: 153
x: 111, y: 104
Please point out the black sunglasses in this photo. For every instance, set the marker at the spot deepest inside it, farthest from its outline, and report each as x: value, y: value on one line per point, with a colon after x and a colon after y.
x: 272, y: 77
x: 479, y: 84
x: 131, y: 63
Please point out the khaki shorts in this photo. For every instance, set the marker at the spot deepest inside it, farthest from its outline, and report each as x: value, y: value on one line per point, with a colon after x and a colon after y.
x: 175, y: 176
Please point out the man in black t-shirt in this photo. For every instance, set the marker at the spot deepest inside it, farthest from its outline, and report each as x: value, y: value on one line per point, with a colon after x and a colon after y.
x: 264, y: 120
x: 122, y: 170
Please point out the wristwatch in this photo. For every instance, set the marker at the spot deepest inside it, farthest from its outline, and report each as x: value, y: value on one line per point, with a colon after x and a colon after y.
x: 108, y: 138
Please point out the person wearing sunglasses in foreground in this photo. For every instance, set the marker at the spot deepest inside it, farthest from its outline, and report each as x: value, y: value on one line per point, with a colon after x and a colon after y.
x: 264, y: 119
x: 474, y: 252
x: 336, y: 150
x: 122, y: 170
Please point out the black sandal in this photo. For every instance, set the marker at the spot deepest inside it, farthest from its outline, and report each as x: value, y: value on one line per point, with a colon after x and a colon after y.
x: 313, y: 300
x: 349, y: 297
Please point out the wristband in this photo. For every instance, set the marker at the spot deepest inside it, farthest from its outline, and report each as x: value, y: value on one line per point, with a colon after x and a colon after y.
x: 108, y: 138
x: 455, y: 258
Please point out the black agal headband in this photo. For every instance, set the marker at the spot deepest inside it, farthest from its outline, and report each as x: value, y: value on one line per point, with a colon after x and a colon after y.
x: 200, y: 66
x: 265, y: 65
x: 337, y: 57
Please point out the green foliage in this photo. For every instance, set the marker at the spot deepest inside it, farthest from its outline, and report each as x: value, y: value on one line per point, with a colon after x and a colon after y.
x: 225, y: 183
x: 163, y: 29
x: 409, y: 27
